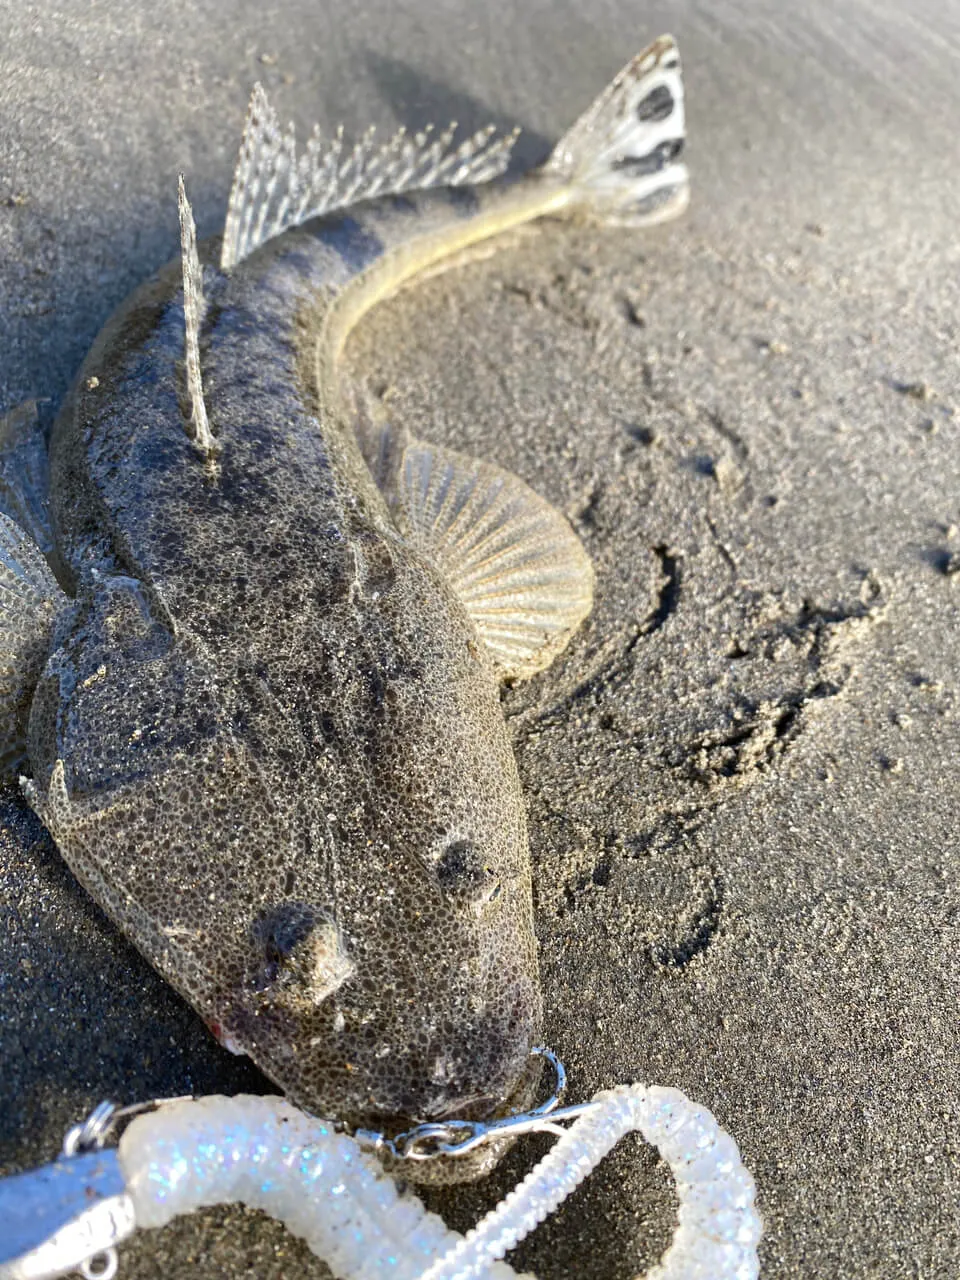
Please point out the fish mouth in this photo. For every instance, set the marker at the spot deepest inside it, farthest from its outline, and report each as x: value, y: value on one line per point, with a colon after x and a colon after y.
x: 427, y: 1153
x: 487, y: 1108
x: 476, y: 1109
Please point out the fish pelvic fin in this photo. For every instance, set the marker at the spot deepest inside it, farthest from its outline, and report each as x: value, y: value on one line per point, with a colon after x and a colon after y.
x: 621, y: 158
x: 275, y: 189
x: 194, y: 307
x: 30, y: 601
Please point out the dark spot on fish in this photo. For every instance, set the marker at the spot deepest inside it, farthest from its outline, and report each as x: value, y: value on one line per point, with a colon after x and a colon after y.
x: 355, y: 243
x: 653, y: 161
x: 328, y: 728
x: 463, y: 873
x: 463, y: 200
x: 646, y: 207
x: 400, y: 204
x: 656, y: 106
x: 376, y: 687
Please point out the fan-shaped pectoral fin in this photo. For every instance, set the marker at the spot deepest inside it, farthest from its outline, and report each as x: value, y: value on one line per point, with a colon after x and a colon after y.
x: 512, y: 558
x: 24, y: 473
x: 30, y: 600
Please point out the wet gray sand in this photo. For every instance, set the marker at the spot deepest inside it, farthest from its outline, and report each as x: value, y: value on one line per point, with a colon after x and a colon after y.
x: 742, y: 775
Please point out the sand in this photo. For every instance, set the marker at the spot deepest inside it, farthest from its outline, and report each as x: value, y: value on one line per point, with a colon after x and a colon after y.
x: 742, y: 774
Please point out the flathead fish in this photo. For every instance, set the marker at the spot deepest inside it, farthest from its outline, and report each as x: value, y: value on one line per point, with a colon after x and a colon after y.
x: 252, y: 661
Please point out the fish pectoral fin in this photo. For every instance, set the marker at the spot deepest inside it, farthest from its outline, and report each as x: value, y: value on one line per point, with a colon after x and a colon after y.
x: 24, y: 474
x: 512, y: 558
x: 30, y: 599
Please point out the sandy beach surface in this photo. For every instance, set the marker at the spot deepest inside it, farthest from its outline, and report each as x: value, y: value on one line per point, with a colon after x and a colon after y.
x: 742, y: 775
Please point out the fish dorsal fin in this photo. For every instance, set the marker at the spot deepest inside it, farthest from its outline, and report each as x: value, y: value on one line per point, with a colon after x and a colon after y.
x: 194, y: 307
x: 512, y: 558
x: 274, y: 189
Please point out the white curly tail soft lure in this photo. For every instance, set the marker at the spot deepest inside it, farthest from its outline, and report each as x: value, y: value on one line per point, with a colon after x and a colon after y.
x: 325, y: 1187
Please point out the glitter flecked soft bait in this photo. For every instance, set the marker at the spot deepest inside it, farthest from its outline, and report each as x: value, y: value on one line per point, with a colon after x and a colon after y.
x: 325, y: 1187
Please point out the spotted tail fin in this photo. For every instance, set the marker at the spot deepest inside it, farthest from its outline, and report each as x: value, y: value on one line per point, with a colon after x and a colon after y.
x: 621, y: 158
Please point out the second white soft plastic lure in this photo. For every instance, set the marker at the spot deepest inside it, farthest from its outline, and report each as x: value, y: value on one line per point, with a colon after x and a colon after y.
x: 266, y: 1154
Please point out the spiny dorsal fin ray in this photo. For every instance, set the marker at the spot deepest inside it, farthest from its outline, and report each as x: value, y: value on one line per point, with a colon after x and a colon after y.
x: 193, y: 310
x: 274, y: 189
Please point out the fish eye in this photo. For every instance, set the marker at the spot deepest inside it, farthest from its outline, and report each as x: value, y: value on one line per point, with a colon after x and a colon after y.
x: 456, y: 860
x: 464, y: 874
x: 277, y: 934
x: 298, y: 949
x: 281, y: 930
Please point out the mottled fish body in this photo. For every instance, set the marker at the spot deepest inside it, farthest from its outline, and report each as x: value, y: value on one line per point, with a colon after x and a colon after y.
x: 258, y: 706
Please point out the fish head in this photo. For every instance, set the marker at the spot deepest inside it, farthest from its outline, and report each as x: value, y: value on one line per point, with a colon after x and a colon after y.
x: 328, y: 858
x: 394, y: 980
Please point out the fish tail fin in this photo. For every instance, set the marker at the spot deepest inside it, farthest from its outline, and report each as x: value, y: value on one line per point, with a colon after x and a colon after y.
x: 621, y: 158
